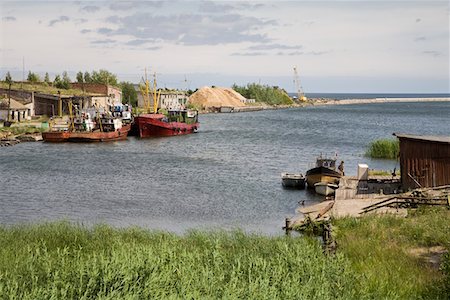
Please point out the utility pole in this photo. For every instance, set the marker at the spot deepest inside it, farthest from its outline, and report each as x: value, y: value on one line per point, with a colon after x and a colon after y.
x: 9, y: 102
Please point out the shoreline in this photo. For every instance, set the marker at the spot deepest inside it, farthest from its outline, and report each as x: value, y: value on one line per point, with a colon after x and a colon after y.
x: 324, y: 102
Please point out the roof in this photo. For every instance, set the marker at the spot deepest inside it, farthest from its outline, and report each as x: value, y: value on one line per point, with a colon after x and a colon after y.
x: 426, y: 138
x: 14, y: 104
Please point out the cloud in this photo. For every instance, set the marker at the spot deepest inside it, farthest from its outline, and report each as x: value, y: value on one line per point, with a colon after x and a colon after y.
x: 432, y: 53
x: 295, y: 53
x: 80, y: 21
x: 85, y: 31
x: 420, y: 38
x: 248, y: 54
x: 273, y: 47
x: 153, y: 48
x: 212, y: 7
x: 104, y: 30
x: 138, y: 42
x: 107, y: 41
x: 61, y: 19
x: 191, y: 29
x: 90, y: 9
x: 128, y: 5
x: 9, y: 19
x: 418, y: 20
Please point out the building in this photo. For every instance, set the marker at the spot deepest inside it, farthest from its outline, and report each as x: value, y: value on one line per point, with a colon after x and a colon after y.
x: 424, y: 160
x: 113, y: 93
x: 17, y: 111
x: 169, y: 99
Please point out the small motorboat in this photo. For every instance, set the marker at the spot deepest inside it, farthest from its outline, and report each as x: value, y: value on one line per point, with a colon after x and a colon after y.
x: 293, y: 180
x: 325, y: 188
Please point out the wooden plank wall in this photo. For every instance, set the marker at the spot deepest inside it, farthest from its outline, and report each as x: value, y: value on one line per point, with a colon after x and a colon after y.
x: 427, y: 161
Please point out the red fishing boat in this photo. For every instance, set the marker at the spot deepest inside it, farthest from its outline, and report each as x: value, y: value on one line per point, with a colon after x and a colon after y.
x: 174, y: 123
x: 154, y: 123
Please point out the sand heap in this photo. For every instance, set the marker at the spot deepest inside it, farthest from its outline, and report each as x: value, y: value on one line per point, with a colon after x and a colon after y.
x: 217, y: 97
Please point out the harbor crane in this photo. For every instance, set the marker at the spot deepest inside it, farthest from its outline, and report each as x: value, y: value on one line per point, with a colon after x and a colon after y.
x: 300, y: 94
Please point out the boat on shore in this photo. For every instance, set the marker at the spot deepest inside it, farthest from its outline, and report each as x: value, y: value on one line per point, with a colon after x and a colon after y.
x: 324, y: 171
x: 325, y: 188
x: 293, y: 180
x: 84, y: 128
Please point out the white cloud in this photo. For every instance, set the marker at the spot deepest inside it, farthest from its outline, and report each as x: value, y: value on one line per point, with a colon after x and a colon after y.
x: 327, y: 40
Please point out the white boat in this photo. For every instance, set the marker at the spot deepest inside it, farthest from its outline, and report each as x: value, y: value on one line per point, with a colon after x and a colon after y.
x: 293, y: 180
x: 325, y: 188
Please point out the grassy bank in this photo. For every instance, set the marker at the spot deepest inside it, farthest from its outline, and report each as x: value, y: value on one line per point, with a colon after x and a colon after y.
x: 383, y: 148
x: 375, y: 260
x: 63, y: 261
x: 392, y: 254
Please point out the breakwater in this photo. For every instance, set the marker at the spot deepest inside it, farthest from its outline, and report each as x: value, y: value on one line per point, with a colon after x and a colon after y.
x: 377, y: 100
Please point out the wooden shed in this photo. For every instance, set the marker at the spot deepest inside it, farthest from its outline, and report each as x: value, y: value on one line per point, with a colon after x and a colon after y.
x: 424, y: 160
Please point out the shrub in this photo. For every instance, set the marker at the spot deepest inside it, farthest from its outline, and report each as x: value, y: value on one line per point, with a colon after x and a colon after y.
x: 384, y: 148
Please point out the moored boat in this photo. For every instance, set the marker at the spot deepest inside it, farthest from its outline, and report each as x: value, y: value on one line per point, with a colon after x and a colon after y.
x: 84, y: 128
x: 291, y: 180
x: 173, y: 123
x: 324, y: 171
x: 325, y: 188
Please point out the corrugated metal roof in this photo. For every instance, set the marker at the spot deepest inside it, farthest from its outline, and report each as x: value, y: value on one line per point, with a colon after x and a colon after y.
x: 430, y: 138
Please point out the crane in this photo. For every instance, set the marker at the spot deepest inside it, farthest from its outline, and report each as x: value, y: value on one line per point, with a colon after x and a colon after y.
x: 300, y: 95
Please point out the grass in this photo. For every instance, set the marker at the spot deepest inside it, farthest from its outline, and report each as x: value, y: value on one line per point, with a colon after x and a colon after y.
x: 373, y: 261
x: 18, y: 130
x: 41, y: 87
x: 383, y: 172
x: 380, y: 250
x: 383, y: 148
x: 63, y: 261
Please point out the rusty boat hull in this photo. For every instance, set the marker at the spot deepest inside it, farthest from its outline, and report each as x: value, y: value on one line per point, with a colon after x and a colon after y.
x: 86, y: 137
x: 153, y: 125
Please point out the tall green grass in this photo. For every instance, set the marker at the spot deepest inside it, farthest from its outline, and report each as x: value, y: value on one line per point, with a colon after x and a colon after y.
x: 380, y: 250
x: 62, y: 261
x: 383, y: 148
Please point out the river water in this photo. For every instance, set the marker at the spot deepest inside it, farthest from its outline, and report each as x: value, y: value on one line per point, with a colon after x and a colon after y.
x: 224, y: 177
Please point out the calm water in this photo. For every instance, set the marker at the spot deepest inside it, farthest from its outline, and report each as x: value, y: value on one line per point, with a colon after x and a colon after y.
x: 225, y: 176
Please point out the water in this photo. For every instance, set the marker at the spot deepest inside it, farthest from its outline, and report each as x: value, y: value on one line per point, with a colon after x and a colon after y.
x: 341, y: 96
x: 225, y: 176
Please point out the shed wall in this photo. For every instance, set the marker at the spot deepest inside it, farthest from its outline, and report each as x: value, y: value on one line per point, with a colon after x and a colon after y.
x: 426, y: 162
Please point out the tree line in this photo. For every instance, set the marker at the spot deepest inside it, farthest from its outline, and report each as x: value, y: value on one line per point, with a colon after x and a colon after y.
x: 101, y: 76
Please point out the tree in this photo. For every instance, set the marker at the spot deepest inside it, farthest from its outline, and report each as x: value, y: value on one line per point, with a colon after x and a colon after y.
x: 87, y: 77
x: 8, y: 78
x: 33, y: 77
x: 47, y: 78
x: 57, y: 82
x: 65, y: 80
x: 104, y: 77
x: 129, y: 94
x: 80, y: 77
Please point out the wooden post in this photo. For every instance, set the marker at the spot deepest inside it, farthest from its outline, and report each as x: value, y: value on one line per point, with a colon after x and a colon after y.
x: 59, y: 104
x: 9, y: 102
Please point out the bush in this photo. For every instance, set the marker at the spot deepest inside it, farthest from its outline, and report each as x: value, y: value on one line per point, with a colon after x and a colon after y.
x: 384, y: 148
x: 264, y: 94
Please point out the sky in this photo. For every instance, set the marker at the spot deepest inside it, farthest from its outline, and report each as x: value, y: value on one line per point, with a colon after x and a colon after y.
x: 337, y: 46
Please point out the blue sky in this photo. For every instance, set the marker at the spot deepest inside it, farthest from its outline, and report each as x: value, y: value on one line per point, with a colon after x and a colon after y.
x: 338, y: 46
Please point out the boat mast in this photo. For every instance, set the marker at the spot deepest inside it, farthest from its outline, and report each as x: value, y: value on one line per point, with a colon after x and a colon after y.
x: 156, y: 95
x: 300, y: 95
x: 145, y: 90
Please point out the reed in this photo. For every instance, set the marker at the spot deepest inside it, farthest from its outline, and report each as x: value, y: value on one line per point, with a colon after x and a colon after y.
x: 383, y: 148
x: 64, y: 261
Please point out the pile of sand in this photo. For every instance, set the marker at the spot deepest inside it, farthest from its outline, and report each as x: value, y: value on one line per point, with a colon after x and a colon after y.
x: 217, y: 97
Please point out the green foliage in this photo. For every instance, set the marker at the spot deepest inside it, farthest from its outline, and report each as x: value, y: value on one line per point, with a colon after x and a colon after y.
x: 384, y: 148
x: 264, y: 93
x: 381, y: 251
x: 104, y: 77
x: 129, y: 94
x: 33, y: 77
x: 62, y: 261
x: 63, y: 83
x: 8, y: 78
x: 80, y: 77
x: 47, y: 78
x: 87, y: 77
